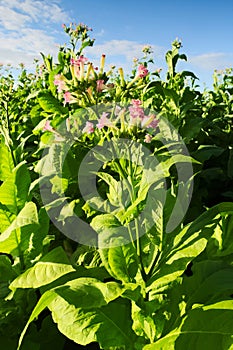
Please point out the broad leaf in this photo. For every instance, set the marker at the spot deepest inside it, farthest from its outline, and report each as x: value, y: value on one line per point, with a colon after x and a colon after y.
x: 210, y: 280
x: 207, y: 327
x: 14, y: 190
x: 6, y: 162
x: 16, y: 236
x: 82, y: 311
x: 50, y: 104
x: 183, y: 247
x: 51, y: 267
x: 123, y: 262
x: 109, y: 231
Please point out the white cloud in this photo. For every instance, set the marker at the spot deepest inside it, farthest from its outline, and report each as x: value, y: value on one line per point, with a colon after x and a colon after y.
x: 11, y: 20
x: 211, y: 61
x: 23, y: 12
x: 126, y: 48
x: 27, y: 28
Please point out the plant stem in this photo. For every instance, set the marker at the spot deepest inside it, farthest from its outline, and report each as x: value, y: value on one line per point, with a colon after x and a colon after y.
x: 139, y: 250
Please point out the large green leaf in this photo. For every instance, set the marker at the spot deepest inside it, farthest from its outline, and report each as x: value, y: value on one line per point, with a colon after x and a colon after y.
x: 50, y: 104
x: 205, y: 152
x: 123, y: 262
x: 6, y: 217
x: 109, y: 230
x: 6, y: 162
x: 14, y: 190
x: 51, y: 267
x: 221, y: 243
x: 84, y: 312
x: 16, y: 236
x: 174, y: 267
x: 181, y: 248
x: 38, y: 241
x: 207, y: 327
x: 44, y: 301
x: 109, y: 325
x: 210, y: 281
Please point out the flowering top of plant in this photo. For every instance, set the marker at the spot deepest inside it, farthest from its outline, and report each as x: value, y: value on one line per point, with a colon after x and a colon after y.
x: 131, y: 121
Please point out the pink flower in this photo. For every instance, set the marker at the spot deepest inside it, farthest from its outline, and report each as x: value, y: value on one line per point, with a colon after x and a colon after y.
x: 135, y: 110
x: 142, y: 71
x: 148, y: 138
x: 104, y: 121
x: 59, y: 82
x: 48, y: 127
x: 67, y: 97
x: 89, y: 128
x: 136, y: 103
x: 100, y: 85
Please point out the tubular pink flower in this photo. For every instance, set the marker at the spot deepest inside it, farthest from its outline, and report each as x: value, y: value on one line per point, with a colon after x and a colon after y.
x: 67, y: 97
x: 48, y: 127
x: 104, y: 121
x: 100, y: 85
x: 89, y: 128
x: 142, y: 71
x: 146, y: 120
x: 59, y: 82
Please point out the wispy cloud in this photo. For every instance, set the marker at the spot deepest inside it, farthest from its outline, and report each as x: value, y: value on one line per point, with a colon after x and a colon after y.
x: 211, y: 61
x: 18, y: 13
x: 126, y: 48
x: 24, y: 29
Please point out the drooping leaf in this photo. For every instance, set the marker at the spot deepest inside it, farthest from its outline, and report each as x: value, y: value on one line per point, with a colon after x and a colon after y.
x: 210, y: 280
x: 84, y: 313
x: 6, y: 162
x: 50, y: 104
x: 14, y: 190
x: 6, y: 217
x: 183, y: 247
x: 13, y: 238
x: 207, y: 327
x: 175, y: 266
x: 51, y: 267
x: 109, y: 228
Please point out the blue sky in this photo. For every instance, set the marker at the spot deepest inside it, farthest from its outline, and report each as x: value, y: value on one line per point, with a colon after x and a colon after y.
x: 121, y: 29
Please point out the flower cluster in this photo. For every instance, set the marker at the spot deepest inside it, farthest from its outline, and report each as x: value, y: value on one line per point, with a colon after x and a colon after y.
x: 136, y: 116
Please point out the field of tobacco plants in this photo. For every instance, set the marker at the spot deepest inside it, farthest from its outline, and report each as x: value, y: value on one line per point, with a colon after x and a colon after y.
x: 116, y: 205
